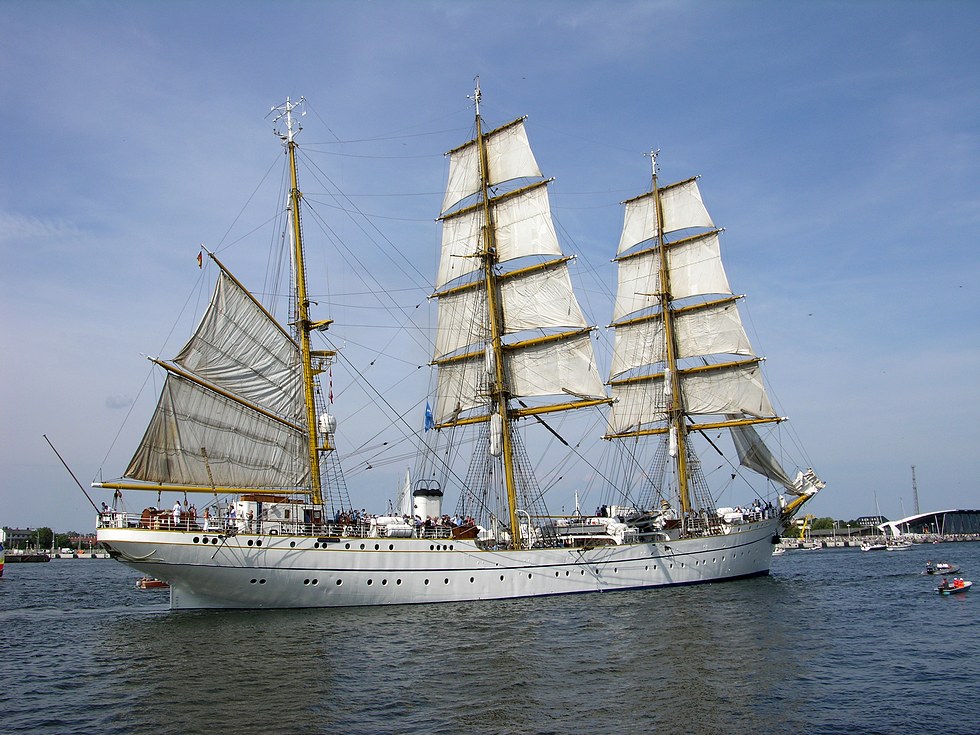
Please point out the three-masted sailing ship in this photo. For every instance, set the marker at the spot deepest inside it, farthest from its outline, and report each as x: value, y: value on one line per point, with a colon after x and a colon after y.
x: 241, y: 418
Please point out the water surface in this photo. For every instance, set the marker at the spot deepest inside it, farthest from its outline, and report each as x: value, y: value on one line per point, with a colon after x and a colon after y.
x: 834, y: 641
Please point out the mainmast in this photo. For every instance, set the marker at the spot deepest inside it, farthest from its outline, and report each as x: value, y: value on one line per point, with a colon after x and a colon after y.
x: 499, y: 392
x: 303, y: 324
x: 675, y: 409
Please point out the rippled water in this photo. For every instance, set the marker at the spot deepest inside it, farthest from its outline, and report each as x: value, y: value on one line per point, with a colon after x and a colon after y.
x: 835, y: 641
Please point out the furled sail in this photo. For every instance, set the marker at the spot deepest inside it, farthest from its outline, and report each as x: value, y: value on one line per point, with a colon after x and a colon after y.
x: 233, y: 415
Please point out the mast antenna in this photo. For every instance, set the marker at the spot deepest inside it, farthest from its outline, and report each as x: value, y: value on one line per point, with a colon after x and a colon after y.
x: 287, y: 130
x: 476, y: 95
x: 653, y: 161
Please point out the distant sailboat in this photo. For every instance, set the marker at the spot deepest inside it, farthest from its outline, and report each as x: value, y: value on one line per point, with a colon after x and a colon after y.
x: 242, y: 418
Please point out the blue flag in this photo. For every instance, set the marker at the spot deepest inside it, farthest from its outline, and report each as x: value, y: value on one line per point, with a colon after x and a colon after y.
x: 429, y: 423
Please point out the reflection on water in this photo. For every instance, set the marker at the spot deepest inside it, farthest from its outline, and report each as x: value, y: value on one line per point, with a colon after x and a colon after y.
x: 833, y: 642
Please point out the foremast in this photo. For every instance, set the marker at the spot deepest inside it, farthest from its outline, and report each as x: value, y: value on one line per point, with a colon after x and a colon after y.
x: 668, y: 313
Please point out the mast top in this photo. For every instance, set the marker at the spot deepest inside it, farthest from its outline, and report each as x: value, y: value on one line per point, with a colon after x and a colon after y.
x: 476, y: 95
x: 653, y: 161
x: 284, y: 125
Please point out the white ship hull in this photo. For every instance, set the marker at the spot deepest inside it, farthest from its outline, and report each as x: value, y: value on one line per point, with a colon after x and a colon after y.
x: 205, y: 570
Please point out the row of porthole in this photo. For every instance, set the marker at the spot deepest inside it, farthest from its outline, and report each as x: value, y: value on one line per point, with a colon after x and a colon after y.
x: 205, y: 540
x: 384, y: 582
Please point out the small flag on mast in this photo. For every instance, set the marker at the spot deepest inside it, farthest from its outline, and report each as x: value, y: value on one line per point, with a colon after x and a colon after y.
x: 429, y: 423
x: 200, y: 259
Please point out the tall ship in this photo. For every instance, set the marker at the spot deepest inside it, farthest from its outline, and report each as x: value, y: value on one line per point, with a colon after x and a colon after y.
x: 242, y: 421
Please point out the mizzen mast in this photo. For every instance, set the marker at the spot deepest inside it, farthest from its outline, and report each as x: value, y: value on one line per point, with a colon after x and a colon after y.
x: 287, y: 127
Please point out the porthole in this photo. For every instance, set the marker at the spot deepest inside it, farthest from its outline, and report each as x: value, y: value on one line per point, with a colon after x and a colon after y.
x: 259, y: 542
x: 214, y: 541
x: 292, y: 544
x: 316, y: 544
x: 471, y: 580
x: 398, y: 581
x: 384, y: 582
x: 377, y: 547
x: 567, y: 572
x: 261, y: 581
x: 198, y: 538
x: 340, y: 582
x: 370, y: 582
x: 451, y: 547
x: 501, y: 577
x: 432, y: 547
x: 315, y: 582
x: 346, y: 546
x: 446, y: 580
x: 306, y: 581
x: 426, y: 581
x: 391, y: 547
x: 252, y: 581
x: 362, y: 547
x: 250, y: 542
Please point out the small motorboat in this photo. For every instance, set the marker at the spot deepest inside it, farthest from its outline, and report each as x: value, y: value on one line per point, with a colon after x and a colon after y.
x: 150, y: 583
x: 953, y: 588
x: 941, y: 567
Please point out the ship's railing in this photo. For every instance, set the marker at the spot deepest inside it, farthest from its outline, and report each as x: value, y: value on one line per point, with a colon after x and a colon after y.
x: 164, y: 520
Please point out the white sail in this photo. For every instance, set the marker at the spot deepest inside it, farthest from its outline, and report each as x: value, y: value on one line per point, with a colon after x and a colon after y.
x: 755, y: 455
x: 199, y: 437
x: 540, y: 299
x: 695, y: 269
x: 523, y: 227
x: 559, y: 368
x: 682, y: 208
x: 711, y: 330
x: 239, y: 348
x: 736, y: 389
x: 509, y: 157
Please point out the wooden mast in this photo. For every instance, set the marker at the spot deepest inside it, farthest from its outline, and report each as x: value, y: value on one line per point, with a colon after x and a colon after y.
x: 500, y: 391
x: 675, y: 409
x: 303, y: 323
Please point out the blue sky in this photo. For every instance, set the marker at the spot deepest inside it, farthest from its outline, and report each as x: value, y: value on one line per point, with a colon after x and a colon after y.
x: 837, y: 142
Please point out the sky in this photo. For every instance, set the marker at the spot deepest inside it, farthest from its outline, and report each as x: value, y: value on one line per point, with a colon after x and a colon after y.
x: 837, y: 143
